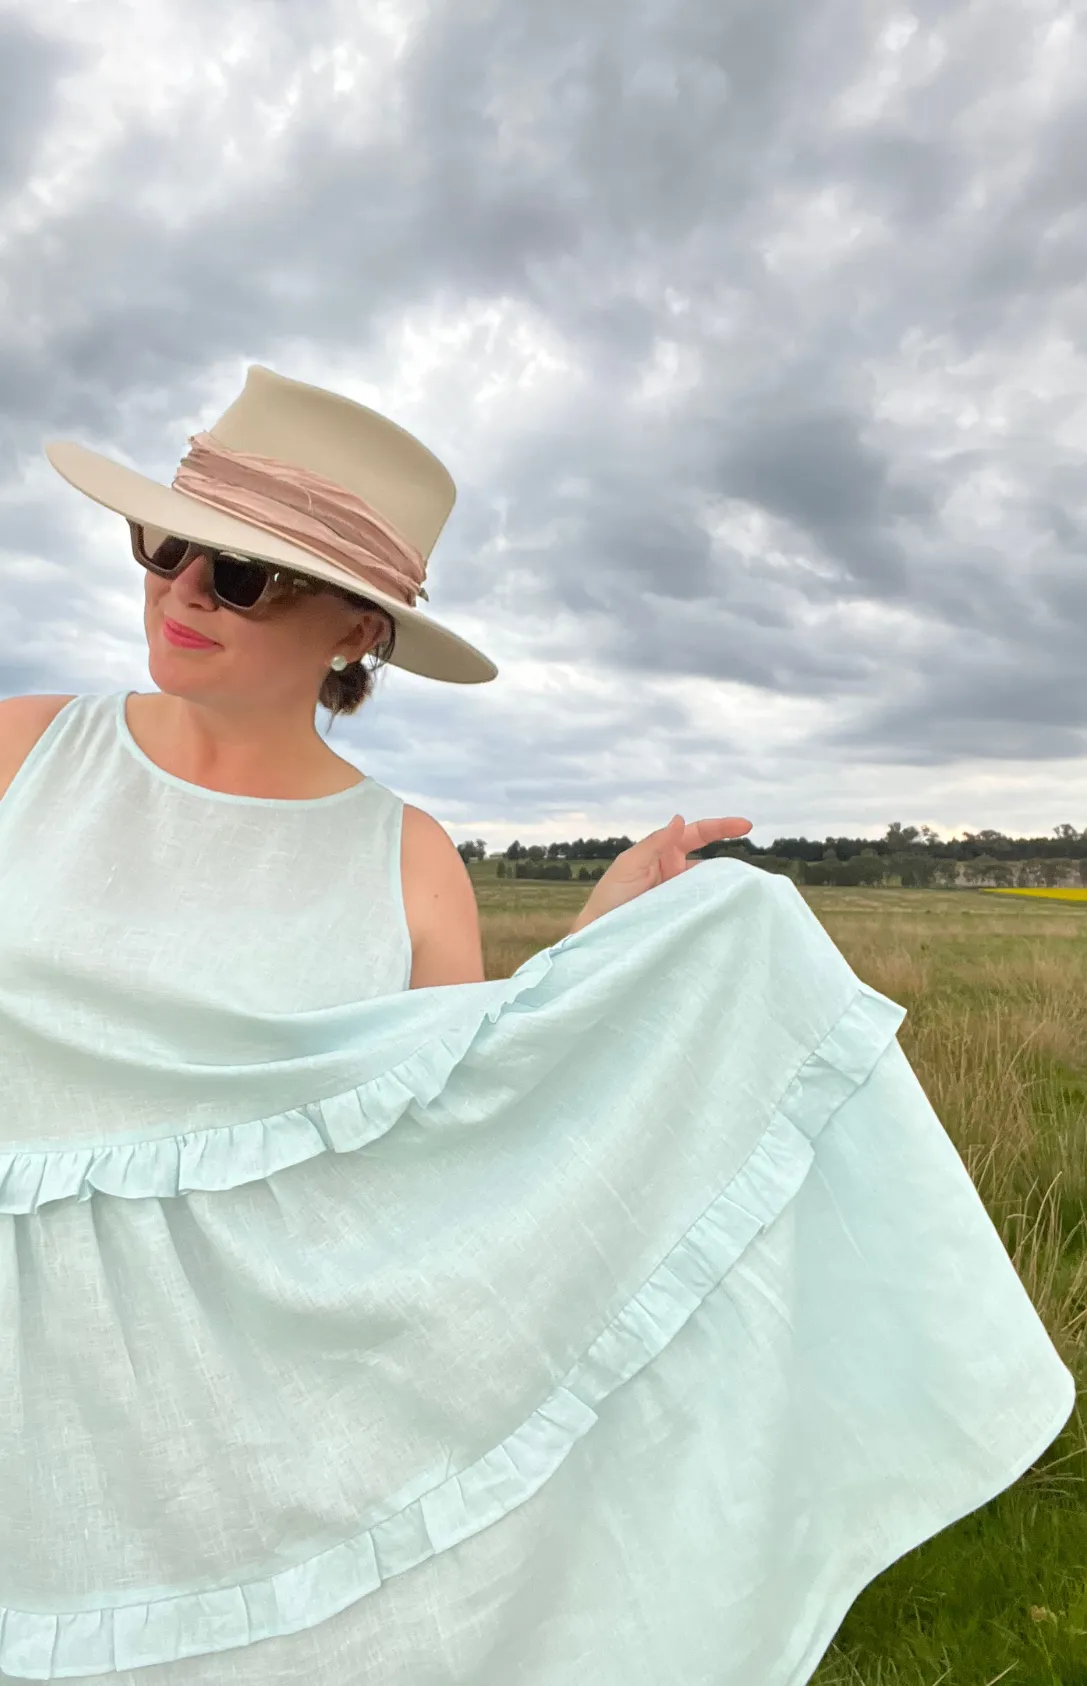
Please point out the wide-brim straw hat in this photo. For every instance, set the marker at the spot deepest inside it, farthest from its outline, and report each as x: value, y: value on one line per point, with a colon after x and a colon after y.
x: 326, y: 444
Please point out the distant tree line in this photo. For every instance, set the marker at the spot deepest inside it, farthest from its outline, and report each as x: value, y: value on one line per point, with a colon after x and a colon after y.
x: 548, y: 869
x: 581, y: 849
x: 537, y: 860
x: 917, y: 857
x: 914, y: 856
x: 922, y: 842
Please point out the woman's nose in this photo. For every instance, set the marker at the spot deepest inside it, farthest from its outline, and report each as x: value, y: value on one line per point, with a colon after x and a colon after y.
x: 194, y: 580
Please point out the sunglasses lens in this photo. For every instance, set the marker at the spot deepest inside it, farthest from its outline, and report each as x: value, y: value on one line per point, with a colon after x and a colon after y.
x: 239, y: 582
x: 169, y: 555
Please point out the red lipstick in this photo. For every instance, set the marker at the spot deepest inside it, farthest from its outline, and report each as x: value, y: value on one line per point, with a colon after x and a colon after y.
x: 184, y: 636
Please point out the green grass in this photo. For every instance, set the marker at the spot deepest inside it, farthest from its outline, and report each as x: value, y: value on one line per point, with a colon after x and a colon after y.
x: 996, y: 992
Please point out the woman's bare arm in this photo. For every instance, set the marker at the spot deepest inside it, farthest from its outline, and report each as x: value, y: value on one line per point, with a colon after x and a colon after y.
x: 22, y: 722
x: 440, y: 906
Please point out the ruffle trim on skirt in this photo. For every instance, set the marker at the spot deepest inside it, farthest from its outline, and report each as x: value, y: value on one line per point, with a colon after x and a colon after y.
x: 228, y: 1156
x: 167, y: 1628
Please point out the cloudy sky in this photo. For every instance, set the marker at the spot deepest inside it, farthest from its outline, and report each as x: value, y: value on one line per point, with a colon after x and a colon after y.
x: 752, y: 331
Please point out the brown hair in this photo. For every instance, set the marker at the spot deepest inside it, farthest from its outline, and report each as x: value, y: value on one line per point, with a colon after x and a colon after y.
x: 343, y: 693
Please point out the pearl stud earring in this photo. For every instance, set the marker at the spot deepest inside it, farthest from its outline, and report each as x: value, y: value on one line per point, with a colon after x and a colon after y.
x: 338, y: 663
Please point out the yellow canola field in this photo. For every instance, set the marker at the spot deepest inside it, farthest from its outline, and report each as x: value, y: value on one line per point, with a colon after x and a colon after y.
x: 1049, y: 895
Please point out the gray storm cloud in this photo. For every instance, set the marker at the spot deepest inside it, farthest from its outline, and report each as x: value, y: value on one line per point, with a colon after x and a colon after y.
x: 811, y: 272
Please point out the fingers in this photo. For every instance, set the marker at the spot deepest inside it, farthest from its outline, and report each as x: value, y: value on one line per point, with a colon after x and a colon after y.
x: 701, y: 832
x: 685, y: 837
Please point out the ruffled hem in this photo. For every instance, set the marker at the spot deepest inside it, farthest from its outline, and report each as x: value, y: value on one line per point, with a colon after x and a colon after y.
x: 228, y: 1156
x: 38, y: 1646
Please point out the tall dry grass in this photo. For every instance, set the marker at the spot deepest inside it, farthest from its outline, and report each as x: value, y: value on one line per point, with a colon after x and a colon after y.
x: 997, y: 1033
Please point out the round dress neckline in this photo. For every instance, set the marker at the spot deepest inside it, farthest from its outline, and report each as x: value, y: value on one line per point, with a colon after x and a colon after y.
x: 124, y: 732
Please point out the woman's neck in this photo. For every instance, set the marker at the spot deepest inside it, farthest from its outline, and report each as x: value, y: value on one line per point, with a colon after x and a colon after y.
x: 237, y: 753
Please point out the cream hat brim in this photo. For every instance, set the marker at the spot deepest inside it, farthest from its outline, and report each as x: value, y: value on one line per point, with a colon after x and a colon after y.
x: 423, y: 646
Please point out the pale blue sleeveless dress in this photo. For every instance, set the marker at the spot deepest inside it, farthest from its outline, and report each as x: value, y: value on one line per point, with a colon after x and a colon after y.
x: 612, y: 1324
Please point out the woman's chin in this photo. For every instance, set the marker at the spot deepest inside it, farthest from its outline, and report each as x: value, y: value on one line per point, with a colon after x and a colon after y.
x: 181, y: 672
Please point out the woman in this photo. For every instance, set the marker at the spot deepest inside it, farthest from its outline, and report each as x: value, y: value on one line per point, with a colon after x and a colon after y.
x: 613, y: 1322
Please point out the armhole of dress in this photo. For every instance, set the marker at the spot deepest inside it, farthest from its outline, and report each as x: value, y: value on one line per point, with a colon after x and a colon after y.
x: 38, y: 749
x: 396, y: 887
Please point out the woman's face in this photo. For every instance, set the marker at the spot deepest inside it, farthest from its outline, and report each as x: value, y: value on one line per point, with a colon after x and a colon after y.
x: 276, y: 657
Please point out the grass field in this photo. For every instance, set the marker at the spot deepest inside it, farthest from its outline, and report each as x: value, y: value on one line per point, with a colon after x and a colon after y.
x: 996, y: 992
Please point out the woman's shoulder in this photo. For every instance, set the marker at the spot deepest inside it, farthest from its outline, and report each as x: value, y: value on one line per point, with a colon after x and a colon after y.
x: 22, y: 722
x: 428, y: 853
x: 439, y: 904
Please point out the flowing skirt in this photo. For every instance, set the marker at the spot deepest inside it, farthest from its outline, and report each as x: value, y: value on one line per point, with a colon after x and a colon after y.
x: 610, y: 1325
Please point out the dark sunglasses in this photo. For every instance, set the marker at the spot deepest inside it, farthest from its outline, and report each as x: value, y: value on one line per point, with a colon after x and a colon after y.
x: 240, y: 583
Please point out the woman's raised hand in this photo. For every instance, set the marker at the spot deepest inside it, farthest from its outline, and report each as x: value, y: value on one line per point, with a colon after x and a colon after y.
x: 658, y: 857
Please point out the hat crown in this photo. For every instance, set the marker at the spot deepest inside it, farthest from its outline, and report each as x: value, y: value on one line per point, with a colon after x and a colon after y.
x: 345, y: 442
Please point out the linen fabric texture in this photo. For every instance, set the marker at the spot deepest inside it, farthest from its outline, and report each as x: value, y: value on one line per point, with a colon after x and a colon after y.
x: 615, y: 1322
